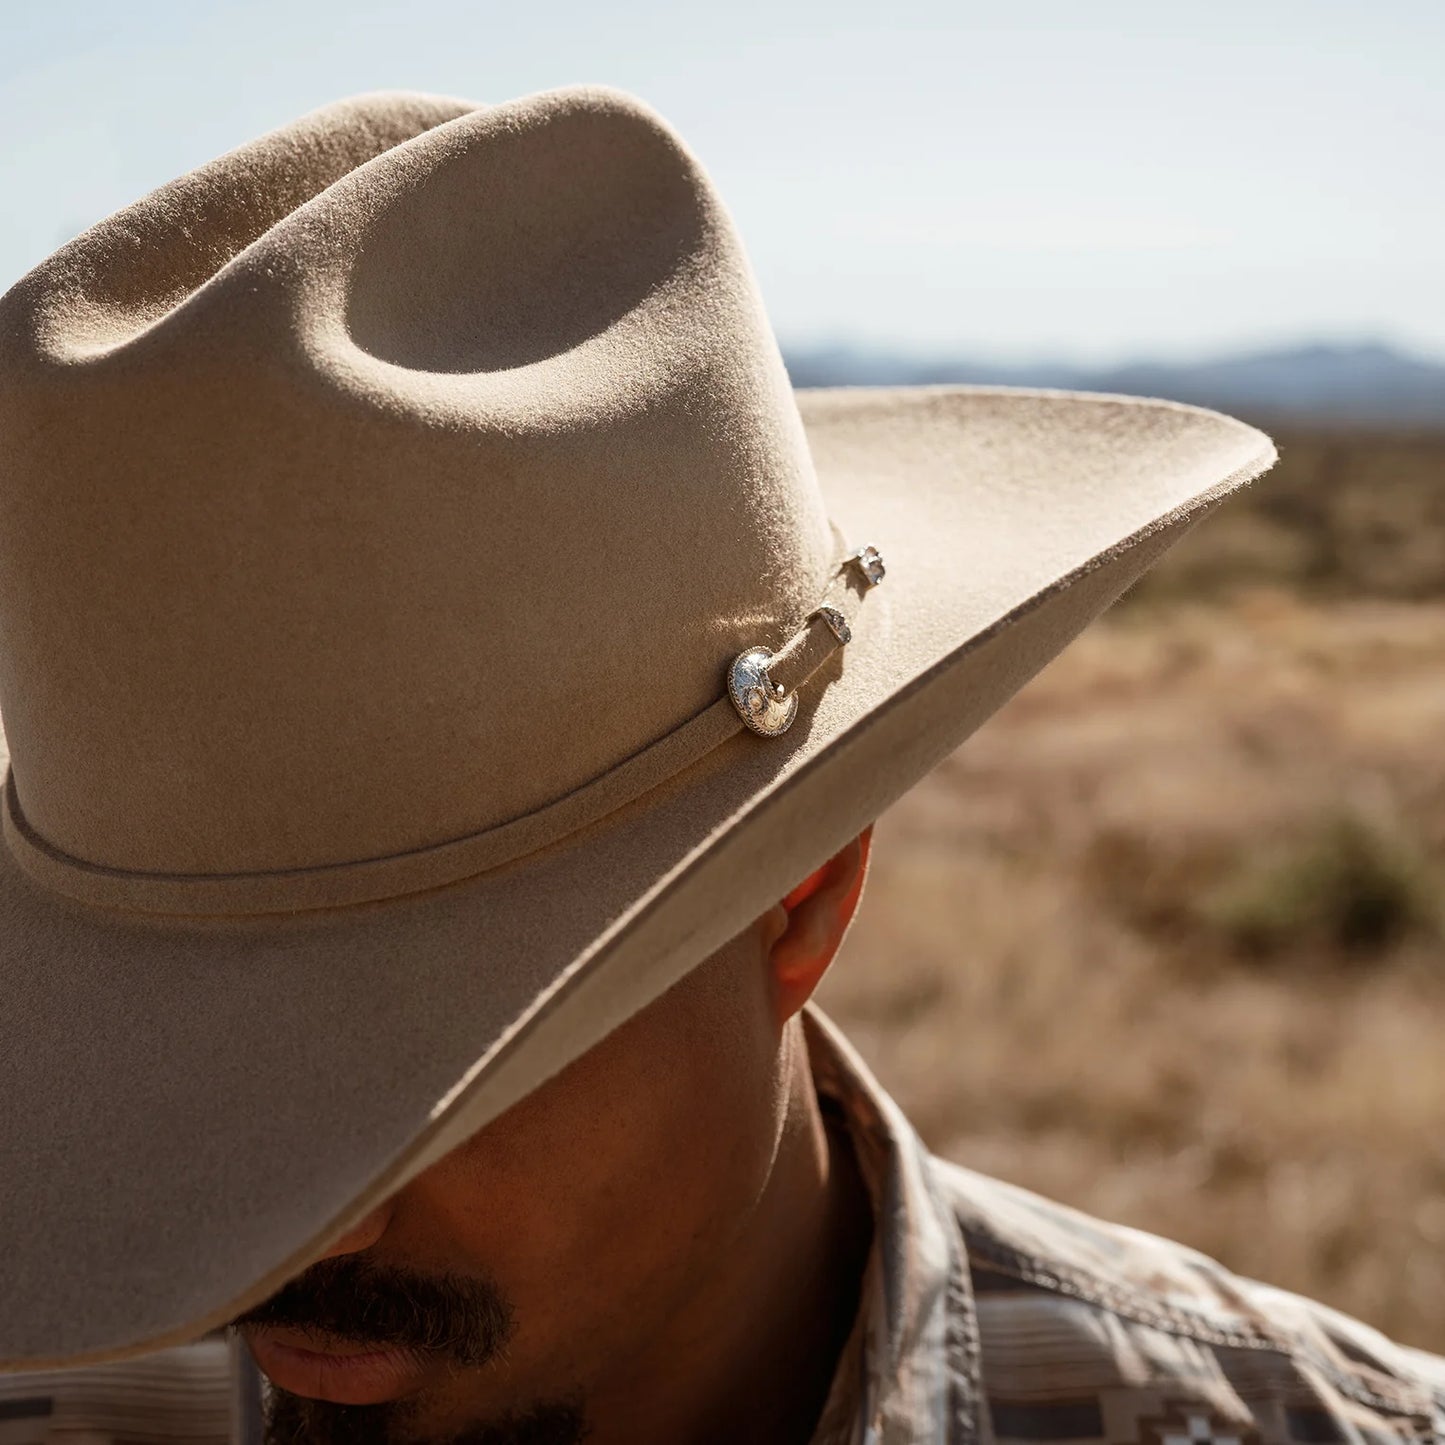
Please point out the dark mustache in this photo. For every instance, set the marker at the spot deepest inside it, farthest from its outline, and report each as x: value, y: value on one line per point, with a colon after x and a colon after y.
x: 465, y: 1321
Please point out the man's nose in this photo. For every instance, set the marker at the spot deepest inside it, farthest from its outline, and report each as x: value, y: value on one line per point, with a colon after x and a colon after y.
x: 362, y: 1235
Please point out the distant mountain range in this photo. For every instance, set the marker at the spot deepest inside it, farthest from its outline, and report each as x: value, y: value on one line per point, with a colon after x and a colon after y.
x: 1355, y: 385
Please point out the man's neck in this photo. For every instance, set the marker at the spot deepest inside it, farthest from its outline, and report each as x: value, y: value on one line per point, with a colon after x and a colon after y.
x: 751, y: 1356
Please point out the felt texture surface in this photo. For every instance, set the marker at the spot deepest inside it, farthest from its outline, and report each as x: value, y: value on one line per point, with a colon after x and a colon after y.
x: 376, y: 485
x: 531, y: 320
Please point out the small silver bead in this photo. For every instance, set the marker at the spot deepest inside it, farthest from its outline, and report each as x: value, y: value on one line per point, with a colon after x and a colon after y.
x: 869, y: 561
x: 837, y: 623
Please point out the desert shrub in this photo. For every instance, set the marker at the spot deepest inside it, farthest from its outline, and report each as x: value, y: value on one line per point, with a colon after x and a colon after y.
x: 1351, y: 887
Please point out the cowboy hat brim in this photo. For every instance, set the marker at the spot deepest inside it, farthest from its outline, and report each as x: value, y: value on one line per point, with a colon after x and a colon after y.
x: 195, y: 1107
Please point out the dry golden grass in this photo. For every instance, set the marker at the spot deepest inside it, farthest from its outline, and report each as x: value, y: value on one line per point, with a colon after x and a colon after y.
x: 1166, y: 939
x: 1344, y: 514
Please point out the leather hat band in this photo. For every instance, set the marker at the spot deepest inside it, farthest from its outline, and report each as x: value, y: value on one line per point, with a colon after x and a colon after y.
x: 761, y: 696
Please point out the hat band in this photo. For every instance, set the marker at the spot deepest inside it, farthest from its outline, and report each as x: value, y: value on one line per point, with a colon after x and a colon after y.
x: 762, y: 687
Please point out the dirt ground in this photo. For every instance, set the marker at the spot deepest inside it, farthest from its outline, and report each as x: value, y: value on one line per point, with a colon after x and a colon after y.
x: 1166, y: 939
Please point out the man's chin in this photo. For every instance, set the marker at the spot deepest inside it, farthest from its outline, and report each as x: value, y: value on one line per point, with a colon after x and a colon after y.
x: 296, y: 1420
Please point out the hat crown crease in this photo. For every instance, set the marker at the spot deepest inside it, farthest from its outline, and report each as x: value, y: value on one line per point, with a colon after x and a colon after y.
x: 372, y: 522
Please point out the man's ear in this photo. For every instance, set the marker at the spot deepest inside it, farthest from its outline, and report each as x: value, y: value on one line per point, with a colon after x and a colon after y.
x: 808, y: 926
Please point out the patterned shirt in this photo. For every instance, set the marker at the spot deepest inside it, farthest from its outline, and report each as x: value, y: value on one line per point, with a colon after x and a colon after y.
x: 988, y: 1316
x: 991, y: 1316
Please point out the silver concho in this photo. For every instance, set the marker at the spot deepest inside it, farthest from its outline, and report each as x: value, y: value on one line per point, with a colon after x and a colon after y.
x: 837, y: 623
x: 761, y: 703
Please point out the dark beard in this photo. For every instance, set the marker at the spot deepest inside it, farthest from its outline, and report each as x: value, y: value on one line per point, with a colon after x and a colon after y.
x: 461, y: 1322
x: 291, y: 1420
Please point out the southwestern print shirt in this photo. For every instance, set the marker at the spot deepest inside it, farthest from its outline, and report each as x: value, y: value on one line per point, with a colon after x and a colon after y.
x: 989, y: 1316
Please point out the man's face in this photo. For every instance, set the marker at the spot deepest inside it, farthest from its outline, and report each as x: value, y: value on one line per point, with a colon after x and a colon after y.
x: 522, y: 1281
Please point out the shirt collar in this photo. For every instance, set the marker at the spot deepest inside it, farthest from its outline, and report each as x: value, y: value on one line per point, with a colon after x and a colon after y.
x: 917, y: 1331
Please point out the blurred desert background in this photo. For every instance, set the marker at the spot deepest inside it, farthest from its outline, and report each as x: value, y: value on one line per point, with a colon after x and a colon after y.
x: 1166, y: 938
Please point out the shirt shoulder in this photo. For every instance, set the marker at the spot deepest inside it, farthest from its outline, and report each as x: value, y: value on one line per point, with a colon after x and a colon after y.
x: 1095, y: 1332
x: 180, y: 1396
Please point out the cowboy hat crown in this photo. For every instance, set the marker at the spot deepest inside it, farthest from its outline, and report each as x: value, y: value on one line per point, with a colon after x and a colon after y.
x: 335, y: 518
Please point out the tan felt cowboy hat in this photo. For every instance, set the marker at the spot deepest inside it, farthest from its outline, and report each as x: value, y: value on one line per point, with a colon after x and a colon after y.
x: 430, y: 624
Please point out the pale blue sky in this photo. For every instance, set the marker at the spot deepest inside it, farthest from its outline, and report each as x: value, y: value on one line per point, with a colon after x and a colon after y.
x: 1088, y: 180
